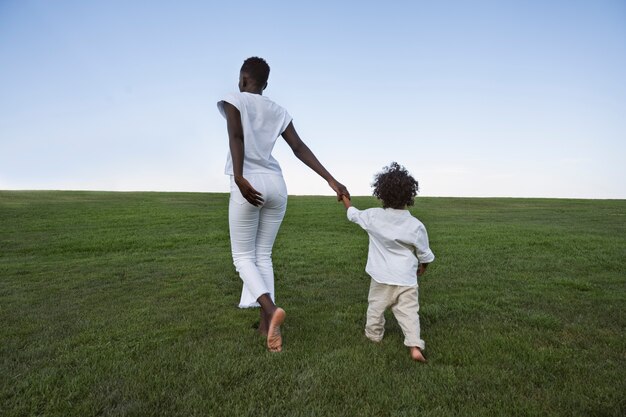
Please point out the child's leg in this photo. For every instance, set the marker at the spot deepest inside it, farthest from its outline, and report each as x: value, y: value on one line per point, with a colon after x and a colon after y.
x: 378, y: 299
x: 406, y: 312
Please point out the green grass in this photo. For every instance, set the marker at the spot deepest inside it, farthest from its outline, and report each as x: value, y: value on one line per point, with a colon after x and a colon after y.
x: 123, y: 304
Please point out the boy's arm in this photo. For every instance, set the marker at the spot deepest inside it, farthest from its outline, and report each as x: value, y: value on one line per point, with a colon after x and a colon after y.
x: 422, y: 250
x: 346, y: 201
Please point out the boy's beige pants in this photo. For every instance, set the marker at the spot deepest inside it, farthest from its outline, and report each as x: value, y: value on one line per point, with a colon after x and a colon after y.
x: 404, y: 305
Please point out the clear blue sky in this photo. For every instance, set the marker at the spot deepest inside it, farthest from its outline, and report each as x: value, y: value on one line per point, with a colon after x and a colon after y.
x: 476, y: 98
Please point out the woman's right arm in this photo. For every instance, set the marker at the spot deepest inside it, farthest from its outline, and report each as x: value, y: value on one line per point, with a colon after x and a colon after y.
x: 236, y: 144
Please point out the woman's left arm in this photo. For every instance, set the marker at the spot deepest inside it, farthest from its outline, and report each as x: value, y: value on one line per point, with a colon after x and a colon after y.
x: 305, y: 154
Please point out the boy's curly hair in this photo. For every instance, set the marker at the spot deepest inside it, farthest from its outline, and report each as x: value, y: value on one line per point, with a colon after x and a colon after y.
x: 257, y: 68
x: 395, y: 187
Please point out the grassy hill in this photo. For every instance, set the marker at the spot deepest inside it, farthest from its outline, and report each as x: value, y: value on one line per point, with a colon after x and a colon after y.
x: 123, y: 304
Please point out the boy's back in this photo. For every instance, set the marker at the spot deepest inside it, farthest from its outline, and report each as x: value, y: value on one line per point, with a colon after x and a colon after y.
x: 397, y: 242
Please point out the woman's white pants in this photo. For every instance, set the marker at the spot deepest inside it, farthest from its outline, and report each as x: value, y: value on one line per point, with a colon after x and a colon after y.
x: 253, y: 231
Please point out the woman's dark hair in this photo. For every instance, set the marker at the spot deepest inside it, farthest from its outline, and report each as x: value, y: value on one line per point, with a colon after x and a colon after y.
x: 257, y: 69
x: 395, y: 187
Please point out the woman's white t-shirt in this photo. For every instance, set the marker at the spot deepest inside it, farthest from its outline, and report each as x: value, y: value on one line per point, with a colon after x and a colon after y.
x: 398, y: 241
x: 263, y: 121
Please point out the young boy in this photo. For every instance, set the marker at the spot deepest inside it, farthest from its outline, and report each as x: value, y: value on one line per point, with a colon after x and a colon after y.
x: 398, y: 254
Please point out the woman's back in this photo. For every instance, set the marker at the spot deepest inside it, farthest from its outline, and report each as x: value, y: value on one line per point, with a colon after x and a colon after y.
x: 263, y: 121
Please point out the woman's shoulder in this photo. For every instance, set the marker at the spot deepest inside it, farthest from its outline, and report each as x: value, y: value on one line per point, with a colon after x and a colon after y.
x: 233, y: 98
x: 272, y: 107
x: 257, y: 99
x: 240, y: 99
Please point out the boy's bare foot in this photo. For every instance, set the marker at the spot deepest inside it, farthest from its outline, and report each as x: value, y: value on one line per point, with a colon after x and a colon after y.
x: 274, y: 338
x: 416, y: 354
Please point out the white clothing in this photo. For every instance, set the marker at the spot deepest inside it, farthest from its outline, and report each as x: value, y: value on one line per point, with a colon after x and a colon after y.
x: 263, y: 121
x: 397, y: 243
x: 254, y: 229
x: 405, y: 307
x: 252, y: 234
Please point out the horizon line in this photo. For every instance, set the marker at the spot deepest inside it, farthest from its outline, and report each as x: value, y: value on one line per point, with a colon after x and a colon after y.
x: 300, y: 195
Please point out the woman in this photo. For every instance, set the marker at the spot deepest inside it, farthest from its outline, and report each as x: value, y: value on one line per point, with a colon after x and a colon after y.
x: 258, y: 198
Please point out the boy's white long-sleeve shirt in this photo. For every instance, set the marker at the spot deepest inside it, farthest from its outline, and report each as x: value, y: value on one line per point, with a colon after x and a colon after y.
x: 397, y: 243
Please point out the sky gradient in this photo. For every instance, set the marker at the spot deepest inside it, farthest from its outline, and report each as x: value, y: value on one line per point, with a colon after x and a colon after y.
x: 481, y: 98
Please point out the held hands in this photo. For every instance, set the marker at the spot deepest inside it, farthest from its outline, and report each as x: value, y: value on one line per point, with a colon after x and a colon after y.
x: 248, y: 192
x: 339, y: 188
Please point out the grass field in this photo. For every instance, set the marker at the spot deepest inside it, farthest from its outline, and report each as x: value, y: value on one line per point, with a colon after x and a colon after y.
x: 123, y: 304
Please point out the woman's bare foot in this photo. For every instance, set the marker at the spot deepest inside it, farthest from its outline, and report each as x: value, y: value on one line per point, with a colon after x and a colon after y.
x: 274, y: 338
x: 416, y: 354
